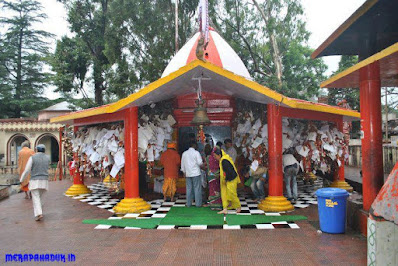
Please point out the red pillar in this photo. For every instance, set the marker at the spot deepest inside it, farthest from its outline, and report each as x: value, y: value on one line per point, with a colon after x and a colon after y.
x: 132, y: 203
x: 341, y: 168
x: 371, y: 134
x: 77, y: 178
x: 339, y: 178
x: 131, y: 175
x: 275, y: 151
x: 372, y: 138
x: 78, y: 186
x: 60, y: 154
x: 275, y: 200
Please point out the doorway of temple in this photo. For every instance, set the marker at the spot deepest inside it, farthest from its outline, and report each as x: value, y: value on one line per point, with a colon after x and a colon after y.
x: 213, y: 135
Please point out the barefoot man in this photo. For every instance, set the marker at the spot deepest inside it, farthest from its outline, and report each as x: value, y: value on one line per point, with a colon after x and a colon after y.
x: 229, y: 180
x: 37, y: 166
x: 23, y: 157
x: 171, y: 161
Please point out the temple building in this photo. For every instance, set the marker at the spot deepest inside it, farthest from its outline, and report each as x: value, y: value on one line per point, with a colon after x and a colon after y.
x: 208, y: 83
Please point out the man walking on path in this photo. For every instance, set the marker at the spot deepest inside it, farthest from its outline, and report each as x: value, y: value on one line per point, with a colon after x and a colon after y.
x: 170, y: 160
x: 191, y: 162
x: 37, y: 166
x: 23, y: 156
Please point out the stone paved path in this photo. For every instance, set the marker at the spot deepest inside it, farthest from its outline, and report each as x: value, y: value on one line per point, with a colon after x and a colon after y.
x: 62, y: 231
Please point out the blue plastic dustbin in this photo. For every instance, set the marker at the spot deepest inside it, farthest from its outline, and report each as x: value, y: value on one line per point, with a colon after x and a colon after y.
x: 332, y: 204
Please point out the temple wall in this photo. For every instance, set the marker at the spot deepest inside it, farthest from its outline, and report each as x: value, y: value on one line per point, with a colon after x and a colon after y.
x: 32, y: 136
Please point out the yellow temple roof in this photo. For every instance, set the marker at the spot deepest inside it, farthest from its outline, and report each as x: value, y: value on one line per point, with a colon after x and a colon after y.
x: 222, y: 81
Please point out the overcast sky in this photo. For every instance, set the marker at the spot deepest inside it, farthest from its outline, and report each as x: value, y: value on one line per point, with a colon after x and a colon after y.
x: 323, y: 17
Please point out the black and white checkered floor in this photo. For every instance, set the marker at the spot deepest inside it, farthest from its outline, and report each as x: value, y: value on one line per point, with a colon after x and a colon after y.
x: 306, y: 194
x: 160, y: 209
x: 101, y: 198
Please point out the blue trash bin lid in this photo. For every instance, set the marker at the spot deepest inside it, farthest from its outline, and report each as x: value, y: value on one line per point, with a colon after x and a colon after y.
x: 331, y: 192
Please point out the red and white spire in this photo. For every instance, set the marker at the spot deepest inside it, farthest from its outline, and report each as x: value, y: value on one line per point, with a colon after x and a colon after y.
x: 217, y: 52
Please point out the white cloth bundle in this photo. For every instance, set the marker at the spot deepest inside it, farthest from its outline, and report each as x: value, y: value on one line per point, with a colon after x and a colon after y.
x: 99, y: 144
x: 155, y: 132
x: 302, y: 135
x: 95, y: 157
x: 257, y: 142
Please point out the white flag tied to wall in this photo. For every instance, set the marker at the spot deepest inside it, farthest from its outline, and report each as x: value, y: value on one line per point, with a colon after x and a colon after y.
x: 203, y: 12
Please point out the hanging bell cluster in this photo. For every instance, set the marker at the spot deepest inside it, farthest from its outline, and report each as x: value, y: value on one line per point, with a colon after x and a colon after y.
x: 200, y: 117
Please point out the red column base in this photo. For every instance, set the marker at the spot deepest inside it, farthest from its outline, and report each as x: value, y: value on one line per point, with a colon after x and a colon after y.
x: 132, y: 205
x: 109, y: 179
x: 77, y: 189
x: 275, y: 204
x: 78, y: 186
x: 342, y: 184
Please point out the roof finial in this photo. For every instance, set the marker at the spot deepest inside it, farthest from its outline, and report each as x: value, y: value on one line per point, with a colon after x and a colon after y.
x: 203, y: 18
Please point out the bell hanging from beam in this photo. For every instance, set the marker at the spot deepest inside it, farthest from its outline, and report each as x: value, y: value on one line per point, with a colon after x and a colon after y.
x: 200, y: 117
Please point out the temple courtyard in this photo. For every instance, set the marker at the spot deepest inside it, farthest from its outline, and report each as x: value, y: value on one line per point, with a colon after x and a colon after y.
x: 62, y: 232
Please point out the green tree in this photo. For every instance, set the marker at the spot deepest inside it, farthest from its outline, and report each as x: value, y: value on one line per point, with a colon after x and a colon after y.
x: 392, y: 98
x: 351, y: 95
x: 71, y: 63
x: 129, y: 44
x: 89, y: 20
x: 137, y: 42
x: 144, y: 31
x: 272, y: 40
x: 23, y: 53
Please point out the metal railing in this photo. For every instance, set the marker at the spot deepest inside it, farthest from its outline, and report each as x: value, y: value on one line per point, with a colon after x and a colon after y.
x: 390, y: 157
x: 14, y: 170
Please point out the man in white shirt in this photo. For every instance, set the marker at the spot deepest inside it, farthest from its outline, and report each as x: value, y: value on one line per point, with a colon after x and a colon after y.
x: 290, y: 169
x: 37, y: 166
x: 191, y: 162
x: 230, y: 150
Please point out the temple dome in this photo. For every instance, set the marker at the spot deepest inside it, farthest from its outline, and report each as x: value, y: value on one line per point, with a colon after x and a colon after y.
x: 218, y: 52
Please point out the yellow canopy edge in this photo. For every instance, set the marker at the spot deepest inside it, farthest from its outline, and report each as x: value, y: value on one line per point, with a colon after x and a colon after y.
x: 376, y: 57
x: 81, y: 114
x: 293, y: 103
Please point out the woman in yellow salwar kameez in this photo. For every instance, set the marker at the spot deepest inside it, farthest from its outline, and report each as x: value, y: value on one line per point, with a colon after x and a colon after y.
x: 229, y: 180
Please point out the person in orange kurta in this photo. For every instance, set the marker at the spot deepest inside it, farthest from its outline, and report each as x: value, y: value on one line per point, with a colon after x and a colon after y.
x: 23, y: 156
x: 171, y: 161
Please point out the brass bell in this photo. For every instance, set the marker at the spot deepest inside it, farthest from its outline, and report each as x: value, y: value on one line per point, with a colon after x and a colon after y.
x: 200, y: 114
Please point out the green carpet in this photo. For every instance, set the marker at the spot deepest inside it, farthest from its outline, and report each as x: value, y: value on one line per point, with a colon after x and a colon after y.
x: 233, y: 219
x: 141, y: 223
x: 184, y: 216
